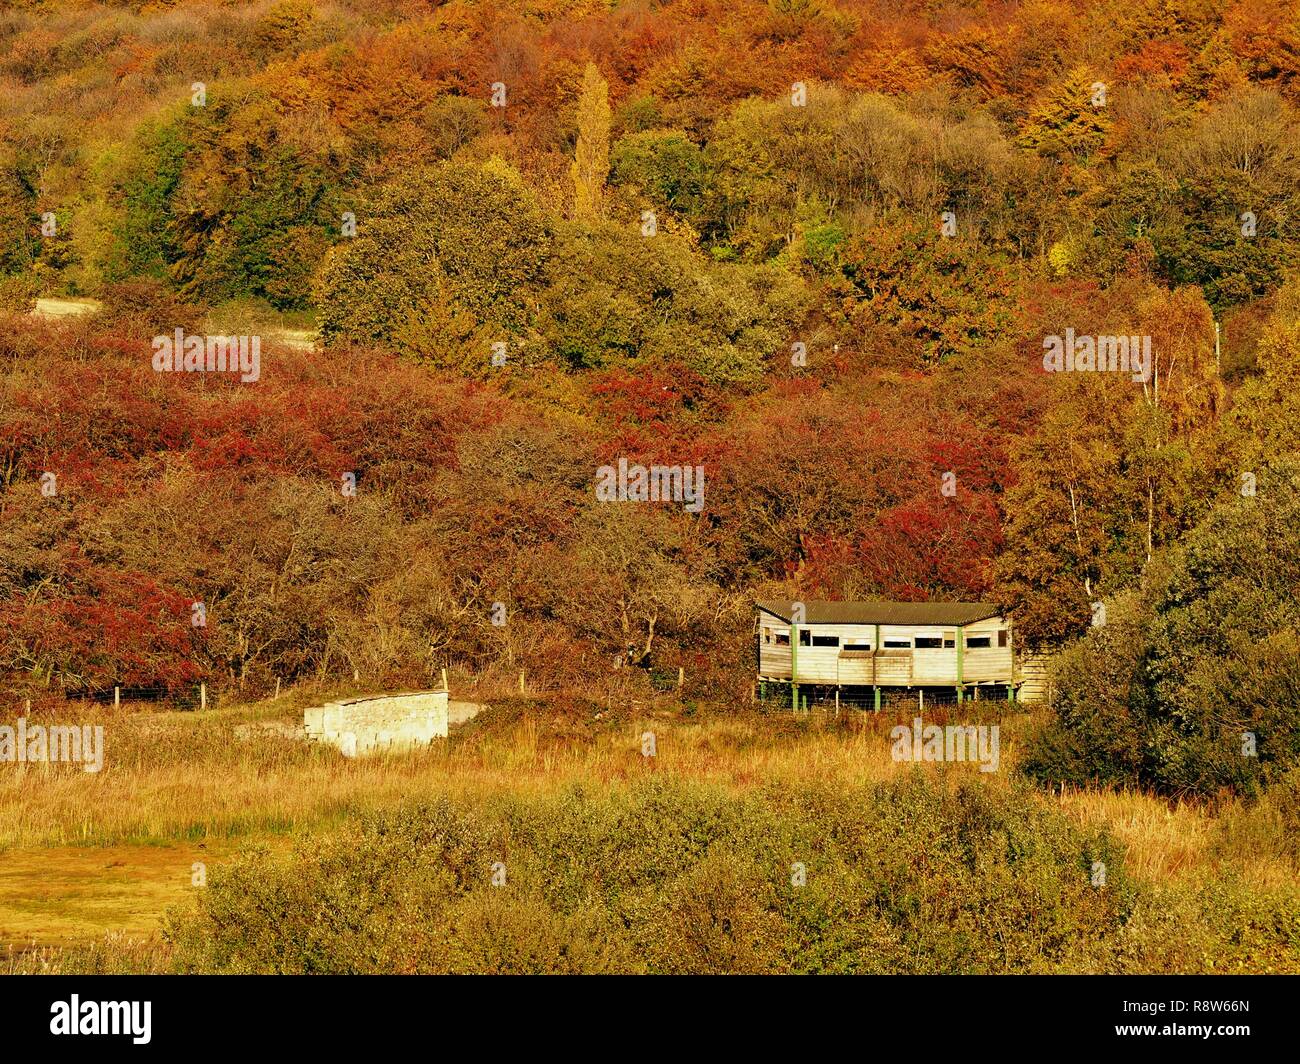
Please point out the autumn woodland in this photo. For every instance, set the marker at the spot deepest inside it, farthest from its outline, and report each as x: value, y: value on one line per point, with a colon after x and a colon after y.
x: 942, y: 301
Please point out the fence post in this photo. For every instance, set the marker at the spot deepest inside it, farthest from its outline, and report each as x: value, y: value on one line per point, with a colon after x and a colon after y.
x: 681, y: 676
x: 117, y: 697
x: 444, y: 679
x: 277, y: 687
x: 522, y: 689
x: 203, y: 696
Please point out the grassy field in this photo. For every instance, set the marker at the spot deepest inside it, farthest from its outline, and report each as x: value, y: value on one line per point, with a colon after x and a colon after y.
x: 90, y: 864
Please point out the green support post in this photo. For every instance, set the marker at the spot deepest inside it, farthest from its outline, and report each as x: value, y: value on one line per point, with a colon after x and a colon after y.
x: 794, y: 667
x: 1011, y: 648
x: 961, y: 661
x: 875, y: 657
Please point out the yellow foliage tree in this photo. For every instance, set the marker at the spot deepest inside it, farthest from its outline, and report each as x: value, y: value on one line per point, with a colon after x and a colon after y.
x: 591, y: 159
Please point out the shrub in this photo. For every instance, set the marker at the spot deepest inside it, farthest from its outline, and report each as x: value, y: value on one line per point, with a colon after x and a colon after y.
x: 17, y: 294
x: 675, y: 877
x: 144, y: 307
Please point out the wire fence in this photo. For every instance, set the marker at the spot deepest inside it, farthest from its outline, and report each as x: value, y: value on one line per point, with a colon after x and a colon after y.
x: 180, y: 696
x: 474, y: 685
x: 201, y: 694
x: 493, y: 684
x: 886, y: 699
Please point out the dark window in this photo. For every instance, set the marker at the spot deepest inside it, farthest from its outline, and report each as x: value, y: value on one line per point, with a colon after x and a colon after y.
x: 783, y: 639
x: 1002, y: 637
x: 929, y: 642
x: 978, y: 642
x: 857, y: 644
x: 805, y: 638
x: 897, y: 644
x: 825, y: 640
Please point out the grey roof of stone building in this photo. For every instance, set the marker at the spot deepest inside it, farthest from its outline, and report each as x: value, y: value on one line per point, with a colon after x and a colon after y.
x: 938, y: 613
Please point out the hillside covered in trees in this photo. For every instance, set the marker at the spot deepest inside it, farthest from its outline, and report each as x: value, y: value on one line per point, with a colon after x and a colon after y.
x: 817, y: 248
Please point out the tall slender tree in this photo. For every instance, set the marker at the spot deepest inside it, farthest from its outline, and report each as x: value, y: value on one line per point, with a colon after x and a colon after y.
x: 591, y: 159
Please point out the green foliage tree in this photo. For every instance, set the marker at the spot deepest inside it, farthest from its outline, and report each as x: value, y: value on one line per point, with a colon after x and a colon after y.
x: 618, y: 298
x: 283, y: 24
x: 1233, y: 229
x: 864, y: 159
x: 452, y: 122
x: 465, y: 245
x: 255, y: 211
x: 19, y: 223
x: 18, y: 293
x: 147, y: 190
x: 1190, y: 685
x: 222, y: 201
x: 668, y: 168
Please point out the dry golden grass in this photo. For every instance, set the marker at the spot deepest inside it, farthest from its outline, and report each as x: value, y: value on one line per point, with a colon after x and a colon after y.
x: 1182, y: 841
x: 172, y: 776
x: 173, y: 781
x: 1163, y: 839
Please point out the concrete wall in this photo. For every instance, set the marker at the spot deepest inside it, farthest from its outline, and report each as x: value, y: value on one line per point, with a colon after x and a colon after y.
x: 386, y: 722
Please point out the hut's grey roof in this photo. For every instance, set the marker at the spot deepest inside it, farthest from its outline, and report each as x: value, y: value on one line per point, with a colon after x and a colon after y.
x: 937, y: 613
